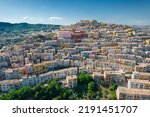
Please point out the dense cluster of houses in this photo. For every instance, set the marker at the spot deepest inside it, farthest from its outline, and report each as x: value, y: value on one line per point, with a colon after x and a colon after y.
x: 106, y: 51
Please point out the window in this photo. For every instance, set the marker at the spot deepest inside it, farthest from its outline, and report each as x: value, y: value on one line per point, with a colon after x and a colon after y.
x: 141, y: 86
x: 129, y: 97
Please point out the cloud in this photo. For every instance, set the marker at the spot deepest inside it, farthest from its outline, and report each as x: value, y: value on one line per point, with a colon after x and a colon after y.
x: 27, y: 18
x: 55, y: 18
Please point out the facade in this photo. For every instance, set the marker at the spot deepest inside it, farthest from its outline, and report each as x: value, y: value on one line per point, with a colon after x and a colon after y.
x: 7, y: 85
x: 141, y: 75
x: 147, y: 42
x: 138, y: 84
x: 71, y: 81
x: 116, y: 76
x: 143, y: 67
x: 11, y: 74
x: 97, y: 77
x: 78, y: 35
x: 124, y: 93
x: 64, y: 34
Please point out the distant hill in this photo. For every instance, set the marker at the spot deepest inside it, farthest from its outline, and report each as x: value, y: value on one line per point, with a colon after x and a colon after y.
x: 16, y: 29
x: 12, y: 33
x: 143, y: 28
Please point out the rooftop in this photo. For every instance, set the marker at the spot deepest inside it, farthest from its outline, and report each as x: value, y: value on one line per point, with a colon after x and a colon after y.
x: 114, y: 72
x: 72, y: 77
x: 9, y: 81
x: 144, y: 73
x: 139, y: 81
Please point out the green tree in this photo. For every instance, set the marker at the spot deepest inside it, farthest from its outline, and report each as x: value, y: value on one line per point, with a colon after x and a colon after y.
x: 91, y: 95
x: 54, y: 88
x: 92, y: 86
x: 25, y: 93
x: 113, y: 87
x: 84, y: 78
x: 67, y: 93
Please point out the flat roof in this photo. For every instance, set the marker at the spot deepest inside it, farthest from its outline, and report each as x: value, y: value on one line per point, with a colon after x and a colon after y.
x: 144, y: 73
x: 143, y: 64
x: 9, y: 70
x: 9, y: 81
x: 114, y: 72
x: 139, y: 81
x: 71, y: 77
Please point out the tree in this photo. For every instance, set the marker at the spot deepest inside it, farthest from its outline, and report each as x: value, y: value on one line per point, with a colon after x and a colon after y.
x: 12, y: 95
x: 84, y: 78
x: 102, y: 82
x: 92, y: 86
x: 113, y: 96
x: 54, y: 88
x: 91, y: 95
x: 113, y: 87
x: 67, y: 93
x: 21, y: 94
x: 25, y: 93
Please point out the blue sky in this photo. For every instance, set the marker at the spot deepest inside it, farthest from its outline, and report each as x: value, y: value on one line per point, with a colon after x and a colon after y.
x: 132, y: 12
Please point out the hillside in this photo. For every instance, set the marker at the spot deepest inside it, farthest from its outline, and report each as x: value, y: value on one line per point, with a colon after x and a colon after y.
x: 8, y: 29
x: 11, y: 33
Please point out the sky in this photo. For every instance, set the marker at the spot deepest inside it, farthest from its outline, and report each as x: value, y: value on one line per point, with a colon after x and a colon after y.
x: 66, y: 12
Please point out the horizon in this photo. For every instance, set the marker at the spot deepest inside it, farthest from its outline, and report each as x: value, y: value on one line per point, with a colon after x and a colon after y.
x: 66, y: 12
x: 69, y: 24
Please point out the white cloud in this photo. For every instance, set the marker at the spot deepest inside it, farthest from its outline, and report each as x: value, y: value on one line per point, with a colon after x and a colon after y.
x: 55, y: 18
x: 27, y: 18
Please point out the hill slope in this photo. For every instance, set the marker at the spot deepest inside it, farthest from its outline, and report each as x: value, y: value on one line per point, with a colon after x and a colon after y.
x: 8, y: 29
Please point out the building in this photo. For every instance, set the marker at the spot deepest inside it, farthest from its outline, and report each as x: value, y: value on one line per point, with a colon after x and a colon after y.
x: 51, y: 43
x: 143, y: 67
x: 86, y: 53
x: 78, y: 35
x: 124, y: 93
x: 3, y: 64
x: 28, y: 69
x: 11, y: 74
x: 71, y: 81
x: 141, y: 75
x: 97, y: 76
x: 64, y: 34
x: 94, y: 35
x: 43, y: 78
x: 147, y: 42
x: 7, y: 85
x: 117, y: 76
x: 138, y: 84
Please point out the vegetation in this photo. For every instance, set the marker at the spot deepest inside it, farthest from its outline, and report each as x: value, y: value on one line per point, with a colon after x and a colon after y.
x: 24, y: 28
x: 13, y: 33
x: 86, y: 89
x: 108, y: 90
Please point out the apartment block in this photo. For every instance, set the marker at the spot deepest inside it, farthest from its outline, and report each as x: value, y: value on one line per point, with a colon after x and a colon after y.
x: 7, y: 85
x: 124, y: 93
x: 116, y: 76
x: 142, y: 67
x: 141, y: 75
x: 138, y: 84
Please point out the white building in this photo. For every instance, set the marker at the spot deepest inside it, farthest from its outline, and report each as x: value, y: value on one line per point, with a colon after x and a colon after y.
x: 7, y: 85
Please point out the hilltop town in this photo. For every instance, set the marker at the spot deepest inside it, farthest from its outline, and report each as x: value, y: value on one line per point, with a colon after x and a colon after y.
x: 108, y: 52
